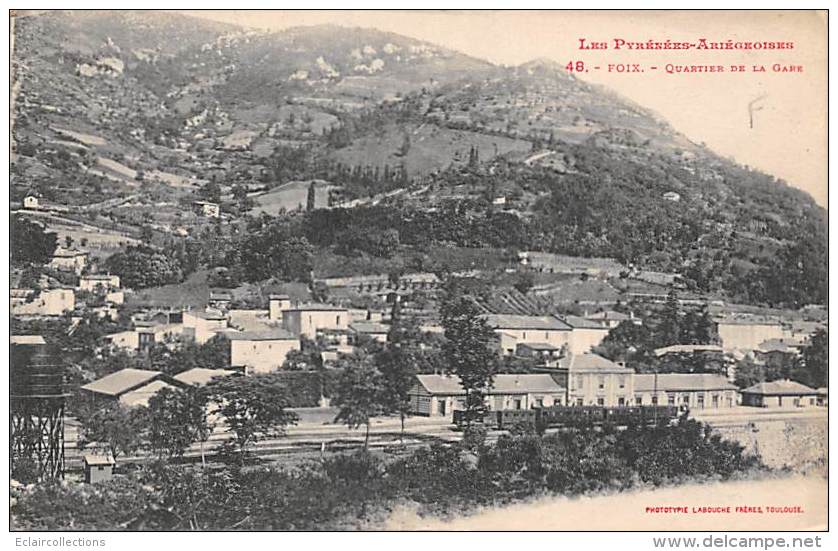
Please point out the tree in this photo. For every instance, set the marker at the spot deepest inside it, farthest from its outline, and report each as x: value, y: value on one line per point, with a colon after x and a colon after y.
x: 253, y: 407
x: 112, y: 427
x: 211, y: 191
x: 310, y: 198
x: 30, y: 243
x: 141, y: 267
x: 813, y: 370
x: 524, y: 283
x: 176, y: 419
x: 359, y: 392
x: 399, y: 364
x: 469, y: 351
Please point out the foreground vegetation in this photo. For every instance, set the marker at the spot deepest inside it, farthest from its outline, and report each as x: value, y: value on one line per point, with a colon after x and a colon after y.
x: 358, y: 490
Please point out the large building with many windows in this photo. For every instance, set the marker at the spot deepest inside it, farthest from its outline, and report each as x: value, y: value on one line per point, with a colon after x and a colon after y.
x: 693, y: 390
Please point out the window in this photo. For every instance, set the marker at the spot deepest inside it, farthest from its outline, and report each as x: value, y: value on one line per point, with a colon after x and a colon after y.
x: 654, y: 400
x: 546, y: 336
x: 700, y: 401
x: 524, y: 335
x: 337, y: 320
x: 579, y: 402
x: 797, y: 402
x: 539, y: 402
x: 811, y: 401
x: 600, y: 401
x: 601, y: 382
x: 440, y: 407
x: 670, y: 399
x: 517, y: 403
x: 557, y: 400
x: 638, y: 401
x: 622, y: 381
x: 621, y: 401
x: 685, y: 399
x: 715, y: 399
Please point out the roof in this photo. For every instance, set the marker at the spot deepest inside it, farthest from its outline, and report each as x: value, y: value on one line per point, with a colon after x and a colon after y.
x: 538, y: 346
x: 780, y: 388
x: 609, y: 315
x: 823, y: 391
x: 777, y: 345
x: 208, y: 315
x: 502, y: 384
x: 67, y: 253
x: 681, y: 382
x: 274, y: 335
x: 100, y: 277
x: 313, y: 307
x: 578, y: 322
x: 26, y: 339
x: 92, y: 459
x: 121, y: 382
x: 514, y: 321
x: 748, y: 320
x: 215, y: 295
x: 142, y: 395
x: 687, y: 349
x: 205, y: 203
x: 591, y: 362
x: 369, y: 327
x: 201, y: 375
x: 278, y: 297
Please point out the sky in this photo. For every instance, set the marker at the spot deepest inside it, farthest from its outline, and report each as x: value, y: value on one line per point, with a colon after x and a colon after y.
x: 789, y: 134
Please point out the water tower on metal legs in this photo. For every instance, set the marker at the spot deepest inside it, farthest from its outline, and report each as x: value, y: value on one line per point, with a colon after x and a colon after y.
x: 36, y: 404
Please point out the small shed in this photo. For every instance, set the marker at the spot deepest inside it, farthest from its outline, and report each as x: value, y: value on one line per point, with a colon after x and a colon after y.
x: 782, y: 394
x: 98, y: 468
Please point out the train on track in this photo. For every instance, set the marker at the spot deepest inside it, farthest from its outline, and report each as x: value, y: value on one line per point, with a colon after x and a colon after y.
x: 569, y: 416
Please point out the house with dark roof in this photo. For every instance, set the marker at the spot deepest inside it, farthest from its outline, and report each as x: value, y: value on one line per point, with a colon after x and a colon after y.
x: 373, y: 330
x: 440, y: 395
x: 513, y: 329
x: 693, y: 390
x: 130, y: 387
x: 780, y: 394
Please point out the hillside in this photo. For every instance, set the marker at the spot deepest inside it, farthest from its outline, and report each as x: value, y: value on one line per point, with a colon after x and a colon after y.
x: 145, y: 112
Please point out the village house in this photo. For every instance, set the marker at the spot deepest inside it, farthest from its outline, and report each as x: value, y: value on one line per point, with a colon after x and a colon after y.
x: 375, y: 331
x: 545, y: 354
x: 780, y: 394
x: 202, y: 325
x: 219, y: 300
x: 31, y: 202
x: 98, y: 282
x: 69, y: 260
x: 260, y: 352
x: 49, y: 302
x: 748, y: 332
x: 276, y: 305
x: 592, y: 380
x: 585, y: 333
x: 612, y: 319
x: 513, y: 330
x: 205, y: 208
x: 306, y: 320
x: 441, y: 395
x: 693, y: 390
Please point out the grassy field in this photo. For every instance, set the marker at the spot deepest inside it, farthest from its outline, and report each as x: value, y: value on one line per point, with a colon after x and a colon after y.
x: 431, y: 148
x: 291, y: 196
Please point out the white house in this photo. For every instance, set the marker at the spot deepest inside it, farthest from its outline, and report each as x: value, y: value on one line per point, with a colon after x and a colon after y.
x: 307, y: 320
x: 49, y: 302
x: 31, y: 202
x: 516, y: 329
x: 69, y: 260
x: 260, y: 352
x: 204, y: 325
x: 96, y: 282
x: 748, y: 332
x: 586, y: 333
x: 205, y: 208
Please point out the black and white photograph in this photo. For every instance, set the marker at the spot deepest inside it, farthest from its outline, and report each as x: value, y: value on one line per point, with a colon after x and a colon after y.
x: 417, y: 270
